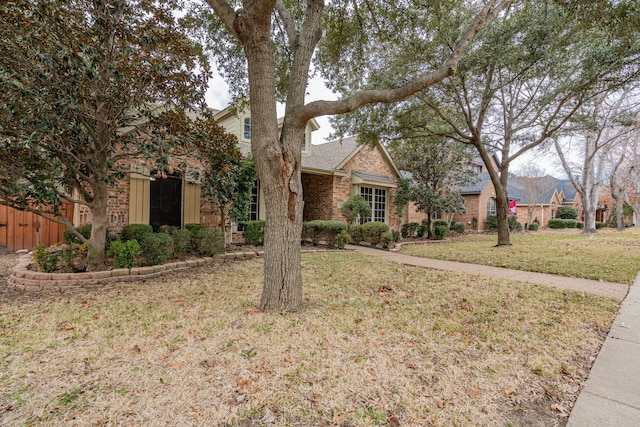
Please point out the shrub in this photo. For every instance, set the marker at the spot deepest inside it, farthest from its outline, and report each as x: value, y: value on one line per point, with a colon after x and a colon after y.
x: 533, y: 227
x: 566, y: 212
x: 355, y: 208
x: 396, y: 236
x: 599, y: 225
x: 76, y: 257
x: 386, y: 239
x: 136, y: 232
x: 193, y: 229
x: 322, y: 230
x: 557, y: 223
x: 355, y: 233
x: 580, y: 225
x: 492, y: 222
x: 571, y: 223
x: 254, y: 232
x: 155, y: 248
x: 458, y: 227
x: 211, y: 241
x: 514, y: 225
x: 409, y: 229
x: 167, y: 229
x: 422, y: 229
x: 440, y: 232
x: 341, y: 240
x: 437, y: 222
x: 182, y: 242
x: 124, y: 253
x: 372, y: 232
x: 45, y: 260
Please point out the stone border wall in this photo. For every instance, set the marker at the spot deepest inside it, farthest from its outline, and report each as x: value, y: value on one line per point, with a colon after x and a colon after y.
x: 34, y: 281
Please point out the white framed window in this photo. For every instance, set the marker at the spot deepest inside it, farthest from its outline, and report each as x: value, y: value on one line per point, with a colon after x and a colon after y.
x: 491, y: 206
x: 247, y: 128
x: 254, y: 204
x: 377, y: 199
x: 304, y: 142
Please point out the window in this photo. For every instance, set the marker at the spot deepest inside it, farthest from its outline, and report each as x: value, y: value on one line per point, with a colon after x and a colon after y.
x: 491, y: 206
x: 377, y: 199
x: 436, y: 215
x: 254, y: 204
x: 304, y: 142
x: 247, y: 128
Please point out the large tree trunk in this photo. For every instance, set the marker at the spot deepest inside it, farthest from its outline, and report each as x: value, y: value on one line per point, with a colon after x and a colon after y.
x: 277, y: 160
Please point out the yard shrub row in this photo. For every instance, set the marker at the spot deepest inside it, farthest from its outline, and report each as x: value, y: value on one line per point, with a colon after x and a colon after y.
x: 318, y: 231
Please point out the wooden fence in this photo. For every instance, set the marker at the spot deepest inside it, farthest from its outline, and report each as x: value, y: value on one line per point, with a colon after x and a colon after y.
x: 25, y: 230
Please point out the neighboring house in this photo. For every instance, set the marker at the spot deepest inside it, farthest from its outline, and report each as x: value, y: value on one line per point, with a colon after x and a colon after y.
x: 480, y: 200
x: 331, y: 173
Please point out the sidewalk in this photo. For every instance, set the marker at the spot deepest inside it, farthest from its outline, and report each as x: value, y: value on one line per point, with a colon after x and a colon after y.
x: 611, y: 396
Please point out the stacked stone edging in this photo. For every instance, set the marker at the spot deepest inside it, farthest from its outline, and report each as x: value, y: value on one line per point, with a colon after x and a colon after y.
x: 23, y: 278
x: 35, y: 281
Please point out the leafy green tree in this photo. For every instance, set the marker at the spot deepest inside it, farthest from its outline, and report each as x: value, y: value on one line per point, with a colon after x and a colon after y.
x: 438, y: 170
x: 85, y: 87
x: 270, y: 44
x: 523, y: 81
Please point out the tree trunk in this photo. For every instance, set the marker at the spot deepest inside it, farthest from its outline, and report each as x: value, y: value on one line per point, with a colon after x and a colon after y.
x: 589, y: 213
x: 502, y: 212
x: 620, y: 213
x: 98, y: 209
x: 277, y: 160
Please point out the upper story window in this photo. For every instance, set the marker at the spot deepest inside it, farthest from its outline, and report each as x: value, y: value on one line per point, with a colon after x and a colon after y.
x: 247, y: 128
x: 304, y: 142
x: 491, y: 206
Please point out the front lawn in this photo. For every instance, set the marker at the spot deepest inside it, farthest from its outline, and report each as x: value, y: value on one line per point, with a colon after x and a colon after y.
x: 375, y: 344
x: 608, y: 256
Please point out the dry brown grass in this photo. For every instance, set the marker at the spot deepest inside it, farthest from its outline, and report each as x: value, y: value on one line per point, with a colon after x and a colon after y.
x: 609, y: 256
x: 376, y: 344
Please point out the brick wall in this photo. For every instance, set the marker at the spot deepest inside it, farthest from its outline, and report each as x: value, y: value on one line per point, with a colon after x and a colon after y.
x: 317, y: 191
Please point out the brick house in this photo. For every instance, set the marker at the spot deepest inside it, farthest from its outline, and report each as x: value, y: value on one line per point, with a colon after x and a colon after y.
x: 480, y: 200
x: 331, y: 173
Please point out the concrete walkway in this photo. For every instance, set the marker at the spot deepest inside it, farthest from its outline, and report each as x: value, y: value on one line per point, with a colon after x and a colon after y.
x: 611, y: 396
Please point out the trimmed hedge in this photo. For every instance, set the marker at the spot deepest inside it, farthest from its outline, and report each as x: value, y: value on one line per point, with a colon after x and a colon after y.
x: 322, y: 230
x: 440, y: 232
x: 341, y: 240
x: 372, y: 232
x: 136, y: 232
x: 254, y: 232
x: 563, y: 223
x: 492, y: 222
x: 355, y: 233
x: 566, y: 212
x: 210, y: 241
x: 409, y: 229
x: 533, y: 227
x: 155, y: 248
x: 458, y: 227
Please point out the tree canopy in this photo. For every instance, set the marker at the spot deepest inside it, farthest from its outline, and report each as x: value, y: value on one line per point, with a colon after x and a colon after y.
x: 84, y: 86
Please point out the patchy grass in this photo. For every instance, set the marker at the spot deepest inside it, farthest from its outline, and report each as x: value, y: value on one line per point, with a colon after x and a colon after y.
x: 376, y: 344
x: 609, y: 256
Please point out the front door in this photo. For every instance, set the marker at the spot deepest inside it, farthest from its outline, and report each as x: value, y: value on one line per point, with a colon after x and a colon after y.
x: 165, y: 204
